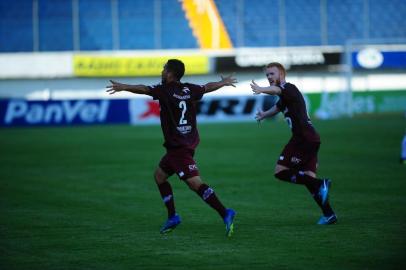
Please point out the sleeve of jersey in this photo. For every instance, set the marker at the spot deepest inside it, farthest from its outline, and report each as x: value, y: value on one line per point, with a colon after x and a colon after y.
x: 155, y: 91
x: 197, y: 91
x: 280, y: 105
x: 287, y: 93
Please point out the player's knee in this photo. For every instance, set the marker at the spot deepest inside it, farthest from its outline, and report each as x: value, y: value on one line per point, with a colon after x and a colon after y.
x: 192, y: 187
x: 281, y: 172
x: 159, y: 177
x: 194, y: 183
x: 282, y: 175
x: 277, y: 175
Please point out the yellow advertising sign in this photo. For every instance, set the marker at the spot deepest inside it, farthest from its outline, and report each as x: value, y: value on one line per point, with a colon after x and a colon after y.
x: 137, y: 66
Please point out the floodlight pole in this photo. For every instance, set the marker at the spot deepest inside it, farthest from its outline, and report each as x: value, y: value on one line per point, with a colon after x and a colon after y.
x: 348, y: 78
x: 355, y: 45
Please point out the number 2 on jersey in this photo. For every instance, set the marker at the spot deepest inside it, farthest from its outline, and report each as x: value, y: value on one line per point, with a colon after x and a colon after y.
x: 182, y: 105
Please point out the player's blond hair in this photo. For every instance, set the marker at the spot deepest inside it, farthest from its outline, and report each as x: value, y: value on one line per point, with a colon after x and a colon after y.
x: 279, y: 66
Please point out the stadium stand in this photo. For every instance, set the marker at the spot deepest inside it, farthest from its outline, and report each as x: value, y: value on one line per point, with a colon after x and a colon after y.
x: 95, y: 25
x: 16, y: 31
x: 339, y: 27
x: 303, y: 25
x: 47, y: 25
x: 136, y: 24
x: 55, y: 25
x: 176, y: 32
x: 387, y: 21
x: 269, y: 23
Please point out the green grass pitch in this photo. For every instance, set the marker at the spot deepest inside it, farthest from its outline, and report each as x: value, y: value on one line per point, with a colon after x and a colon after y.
x: 84, y: 198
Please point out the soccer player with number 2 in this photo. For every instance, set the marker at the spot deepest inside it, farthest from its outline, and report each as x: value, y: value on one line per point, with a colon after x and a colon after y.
x: 298, y: 160
x: 178, y: 102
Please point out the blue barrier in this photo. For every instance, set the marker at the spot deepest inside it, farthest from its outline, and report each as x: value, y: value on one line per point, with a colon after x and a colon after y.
x: 138, y: 111
x: 19, y: 112
x: 375, y: 59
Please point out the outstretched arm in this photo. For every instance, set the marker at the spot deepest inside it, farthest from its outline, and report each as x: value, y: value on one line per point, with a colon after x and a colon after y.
x: 261, y: 115
x: 271, y: 90
x: 136, y: 89
x: 225, y: 81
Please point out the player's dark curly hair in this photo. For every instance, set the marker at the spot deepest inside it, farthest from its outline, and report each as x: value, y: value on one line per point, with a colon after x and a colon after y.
x: 176, y: 67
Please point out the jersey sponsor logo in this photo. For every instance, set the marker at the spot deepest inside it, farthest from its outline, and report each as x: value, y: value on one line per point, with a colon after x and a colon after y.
x: 184, y: 129
x: 181, y: 97
x: 55, y: 112
x: 193, y: 167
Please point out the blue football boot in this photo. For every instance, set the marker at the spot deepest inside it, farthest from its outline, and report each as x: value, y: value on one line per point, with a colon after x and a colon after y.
x: 170, y: 224
x: 327, y: 220
x: 228, y: 220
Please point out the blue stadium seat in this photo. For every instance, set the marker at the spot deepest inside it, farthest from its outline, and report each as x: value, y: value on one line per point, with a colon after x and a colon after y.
x: 95, y: 22
x: 55, y: 25
x: 137, y: 26
x: 176, y: 32
x: 231, y: 14
x: 256, y: 24
x: 387, y: 19
x: 302, y: 21
x: 345, y: 21
x: 136, y: 21
x: 16, y: 32
x: 250, y: 23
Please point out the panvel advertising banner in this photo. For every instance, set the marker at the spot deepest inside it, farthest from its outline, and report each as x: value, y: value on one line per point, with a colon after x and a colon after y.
x: 18, y: 112
x: 143, y: 111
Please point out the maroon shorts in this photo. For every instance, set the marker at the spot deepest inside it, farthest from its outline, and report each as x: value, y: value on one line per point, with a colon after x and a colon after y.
x: 181, y: 162
x: 300, y: 155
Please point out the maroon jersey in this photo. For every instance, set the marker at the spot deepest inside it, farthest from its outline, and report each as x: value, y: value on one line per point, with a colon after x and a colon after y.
x: 178, y: 113
x: 293, y: 106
